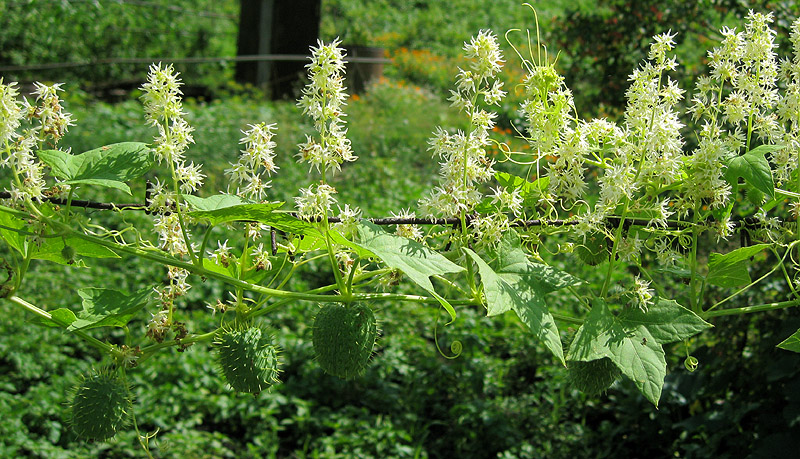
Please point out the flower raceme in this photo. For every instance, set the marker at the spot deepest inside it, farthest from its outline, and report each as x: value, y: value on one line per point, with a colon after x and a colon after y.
x: 323, y: 100
x: 464, y: 163
x: 246, y: 177
x: 46, y: 123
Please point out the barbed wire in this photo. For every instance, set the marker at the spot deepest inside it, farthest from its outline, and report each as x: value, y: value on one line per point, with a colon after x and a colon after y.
x: 386, y: 221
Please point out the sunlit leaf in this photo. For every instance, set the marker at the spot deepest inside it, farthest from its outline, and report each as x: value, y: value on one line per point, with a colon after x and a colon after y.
x: 754, y: 168
x: 215, y: 202
x: 730, y: 269
x: 108, y: 308
x: 633, y: 340
x: 515, y: 287
x: 412, y: 258
x: 109, y: 166
x: 61, y: 318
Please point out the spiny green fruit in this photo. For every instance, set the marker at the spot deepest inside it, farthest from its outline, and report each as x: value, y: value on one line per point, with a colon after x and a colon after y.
x: 343, y: 337
x: 100, y: 406
x: 594, y: 376
x: 68, y: 252
x: 594, y: 249
x: 247, y: 358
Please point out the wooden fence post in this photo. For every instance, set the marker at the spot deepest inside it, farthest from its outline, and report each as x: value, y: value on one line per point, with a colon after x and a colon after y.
x: 276, y: 27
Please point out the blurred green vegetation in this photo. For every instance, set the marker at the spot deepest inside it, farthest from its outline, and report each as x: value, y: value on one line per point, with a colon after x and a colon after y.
x: 503, y: 397
x: 67, y: 31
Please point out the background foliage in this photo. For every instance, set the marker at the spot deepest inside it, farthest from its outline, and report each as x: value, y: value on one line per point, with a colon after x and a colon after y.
x: 504, y: 397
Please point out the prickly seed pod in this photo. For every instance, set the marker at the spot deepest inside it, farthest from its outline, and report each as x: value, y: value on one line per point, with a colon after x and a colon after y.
x: 594, y: 376
x: 100, y: 406
x: 594, y: 249
x: 343, y: 337
x: 68, y: 252
x: 247, y: 358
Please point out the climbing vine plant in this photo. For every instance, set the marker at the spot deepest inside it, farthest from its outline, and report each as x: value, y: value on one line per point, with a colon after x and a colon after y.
x: 630, y: 198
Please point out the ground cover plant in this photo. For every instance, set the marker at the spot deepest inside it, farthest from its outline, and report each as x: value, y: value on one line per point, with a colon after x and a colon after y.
x: 55, y: 38
x: 624, y: 197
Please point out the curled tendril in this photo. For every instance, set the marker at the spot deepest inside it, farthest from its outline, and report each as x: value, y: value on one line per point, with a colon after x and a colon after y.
x: 456, y: 347
x: 691, y: 363
x: 685, y: 240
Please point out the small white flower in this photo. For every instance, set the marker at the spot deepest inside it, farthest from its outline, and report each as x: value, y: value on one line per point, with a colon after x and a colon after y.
x: 261, y: 258
x: 407, y: 230
x: 642, y: 294
x: 315, y: 201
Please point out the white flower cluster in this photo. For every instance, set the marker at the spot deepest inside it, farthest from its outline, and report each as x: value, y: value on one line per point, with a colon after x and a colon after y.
x: 246, y: 176
x: 464, y: 163
x: 647, y: 150
x: 788, y: 109
x: 164, y: 110
x: 641, y: 295
x: 739, y: 95
x: 548, y: 107
x: 53, y: 120
x: 49, y: 124
x: 10, y: 111
x: 407, y: 230
x: 323, y: 100
x: 315, y: 201
x: 652, y: 120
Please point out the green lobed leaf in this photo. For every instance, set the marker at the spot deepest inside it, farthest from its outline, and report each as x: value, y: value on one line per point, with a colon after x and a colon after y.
x: 108, y: 308
x: 791, y: 343
x: 509, y: 252
x: 754, y: 168
x: 62, y: 317
x: 51, y: 250
x: 528, y: 191
x: 633, y: 340
x: 217, y: 201
x: 666, y: 320
x: 263, y: 213
x: 12, y: 238
x: 338, y: 238
x: 730, y: 269
x: 412, y: 258
x: 515, y: 287
x: 633, y: 349
x: 109, y: 166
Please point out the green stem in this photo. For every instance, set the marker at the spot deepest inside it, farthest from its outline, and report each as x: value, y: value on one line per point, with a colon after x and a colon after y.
x: 192, y: 268
x: 752, y: 309
x: 104, y: 347
x: 694, y: 304
x: 69, y: 203
x: 143, y: 440
x: 203, y: 245
x: 178, y: 210
x: 567, y: 319
x: 149, y: 351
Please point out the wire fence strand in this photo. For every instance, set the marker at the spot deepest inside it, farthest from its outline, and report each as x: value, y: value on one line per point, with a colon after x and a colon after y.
x: 183, y: 60
x: 387, y: 221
